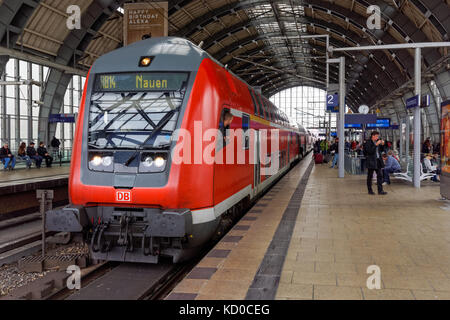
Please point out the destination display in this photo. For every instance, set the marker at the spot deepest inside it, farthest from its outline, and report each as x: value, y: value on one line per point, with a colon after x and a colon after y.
x: 140, y: 81
x: 382, y: 123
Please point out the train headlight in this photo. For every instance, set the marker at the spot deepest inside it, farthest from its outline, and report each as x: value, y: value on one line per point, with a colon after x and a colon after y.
x: 101, y: 161
x: 159, y: 162
x: 96, y: 161
x: 152, y: 162
x: 148, y: 162
x: 107, y: 161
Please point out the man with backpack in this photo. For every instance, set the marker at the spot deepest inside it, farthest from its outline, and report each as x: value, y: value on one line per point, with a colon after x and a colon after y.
x: 373, y: 149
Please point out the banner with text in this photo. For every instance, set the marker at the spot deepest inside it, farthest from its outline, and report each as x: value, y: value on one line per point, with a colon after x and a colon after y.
x: 145, y: 20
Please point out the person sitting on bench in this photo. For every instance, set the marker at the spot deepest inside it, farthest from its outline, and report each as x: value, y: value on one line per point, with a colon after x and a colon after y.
x: 7, y: 157
x: 31, y: 152
x: 42, y: 151
x: 391, y: 165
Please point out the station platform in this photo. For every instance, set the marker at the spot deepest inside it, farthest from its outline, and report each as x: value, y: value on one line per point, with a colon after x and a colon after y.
x: 18, y: 188
x: 314, y: 236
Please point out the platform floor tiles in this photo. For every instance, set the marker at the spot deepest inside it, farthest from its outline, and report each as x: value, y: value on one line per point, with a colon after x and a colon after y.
x: 341, y: 231
x: 19, y: 175
x: 229, y: 269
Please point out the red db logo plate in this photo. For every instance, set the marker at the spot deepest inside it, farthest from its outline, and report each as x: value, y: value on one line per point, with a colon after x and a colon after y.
x: 123, y: 196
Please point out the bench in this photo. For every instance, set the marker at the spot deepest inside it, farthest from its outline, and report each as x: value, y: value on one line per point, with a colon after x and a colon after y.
x: 408, y: 175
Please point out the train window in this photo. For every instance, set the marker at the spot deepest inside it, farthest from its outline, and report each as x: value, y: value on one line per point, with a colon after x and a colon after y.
x: 246, y: 131
x: 225, y: 120
x: 121, y: 117
x: 261, y: 108
x: 268, y: 110
x: 255, y: 105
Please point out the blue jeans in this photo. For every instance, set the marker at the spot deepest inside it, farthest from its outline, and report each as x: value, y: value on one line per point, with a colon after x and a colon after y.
x: 8, y: 160
x: 38, y: 160
x: 27, y: 159
x: 335, y: 160
x: 387, y: 172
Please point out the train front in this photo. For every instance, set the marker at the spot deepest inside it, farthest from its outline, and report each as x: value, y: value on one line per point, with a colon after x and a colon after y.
x: 120, y: 194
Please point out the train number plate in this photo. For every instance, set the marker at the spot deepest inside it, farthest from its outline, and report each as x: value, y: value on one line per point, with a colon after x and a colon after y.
x: 123, y: 196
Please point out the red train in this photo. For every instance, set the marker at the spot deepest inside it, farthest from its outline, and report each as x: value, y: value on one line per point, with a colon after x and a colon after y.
x: 152, y: 116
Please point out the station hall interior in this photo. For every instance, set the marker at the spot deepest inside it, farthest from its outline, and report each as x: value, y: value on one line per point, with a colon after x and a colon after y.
x: 341, y: 108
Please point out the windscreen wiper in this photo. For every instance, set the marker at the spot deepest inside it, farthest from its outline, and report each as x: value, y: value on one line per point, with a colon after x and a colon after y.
x: 165, y: 120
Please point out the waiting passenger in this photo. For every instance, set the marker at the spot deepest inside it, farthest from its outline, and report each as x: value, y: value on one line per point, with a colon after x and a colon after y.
x: 335, y: 148
x: 391, y: 165
x: 42, y: 151
x: 374, y: 163
x: 7, y: 157
x: 22, y: 154
x: 324, y: 147
x: 427, y: 147
x: 31, y: 152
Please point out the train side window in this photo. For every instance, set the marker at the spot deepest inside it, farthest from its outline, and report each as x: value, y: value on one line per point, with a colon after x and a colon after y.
x: 245, y: 133
x: 269, y: 112
x: 255, y: 106
x: 266, y: 103
x: 261, y: 110
x: 225, y: 120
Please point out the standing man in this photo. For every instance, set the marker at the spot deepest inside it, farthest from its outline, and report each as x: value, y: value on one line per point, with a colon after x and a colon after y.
x: 374, y: 163
x: 7, y: 157
x: 55, y: 143
x: 335, y: 147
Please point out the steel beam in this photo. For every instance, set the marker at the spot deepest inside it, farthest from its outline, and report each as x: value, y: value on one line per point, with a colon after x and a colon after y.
x: 397, y: 46
x: 37, y: 60
x: 341, y: 126
x: 417, y: 122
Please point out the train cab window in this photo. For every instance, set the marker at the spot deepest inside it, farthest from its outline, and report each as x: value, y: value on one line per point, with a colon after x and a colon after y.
x: 246, y: 131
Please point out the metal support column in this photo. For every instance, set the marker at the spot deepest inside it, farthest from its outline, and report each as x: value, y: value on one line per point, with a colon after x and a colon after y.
x: 3, y: 109
x: 417, y: 122
x: 402, y: 142
x: 407, y: 136
x: 341, y: 126
x: 329, y: 126
x: 16, y: 107
x: 30, y: 103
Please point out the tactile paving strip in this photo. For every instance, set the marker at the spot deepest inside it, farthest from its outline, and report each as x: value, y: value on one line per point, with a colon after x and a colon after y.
x: 267, y: 278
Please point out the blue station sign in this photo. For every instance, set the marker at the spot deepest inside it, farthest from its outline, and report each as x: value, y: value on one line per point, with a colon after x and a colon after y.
x: 333, y: 102
x: 413, y: 102
x: 61, y: 117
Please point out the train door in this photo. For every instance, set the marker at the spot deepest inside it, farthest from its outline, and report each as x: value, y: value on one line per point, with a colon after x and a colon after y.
x: 257, y: 161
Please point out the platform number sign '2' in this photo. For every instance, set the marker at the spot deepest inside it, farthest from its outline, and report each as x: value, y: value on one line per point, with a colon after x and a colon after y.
x: 123, y: 196
x: 333, y: 102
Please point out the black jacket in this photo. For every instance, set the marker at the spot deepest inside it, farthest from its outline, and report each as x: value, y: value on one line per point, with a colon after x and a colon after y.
x: 42, y: 151
x: 55, y: 143
x: 335, y: 147
x: 4, y: 153
x: 370, y: 151
x: 31, y: 151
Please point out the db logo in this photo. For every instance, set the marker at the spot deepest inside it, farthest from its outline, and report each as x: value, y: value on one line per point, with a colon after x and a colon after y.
x: 124, y: 196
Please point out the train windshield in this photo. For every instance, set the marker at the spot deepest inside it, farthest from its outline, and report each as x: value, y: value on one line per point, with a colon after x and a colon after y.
x: 134, y: 110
